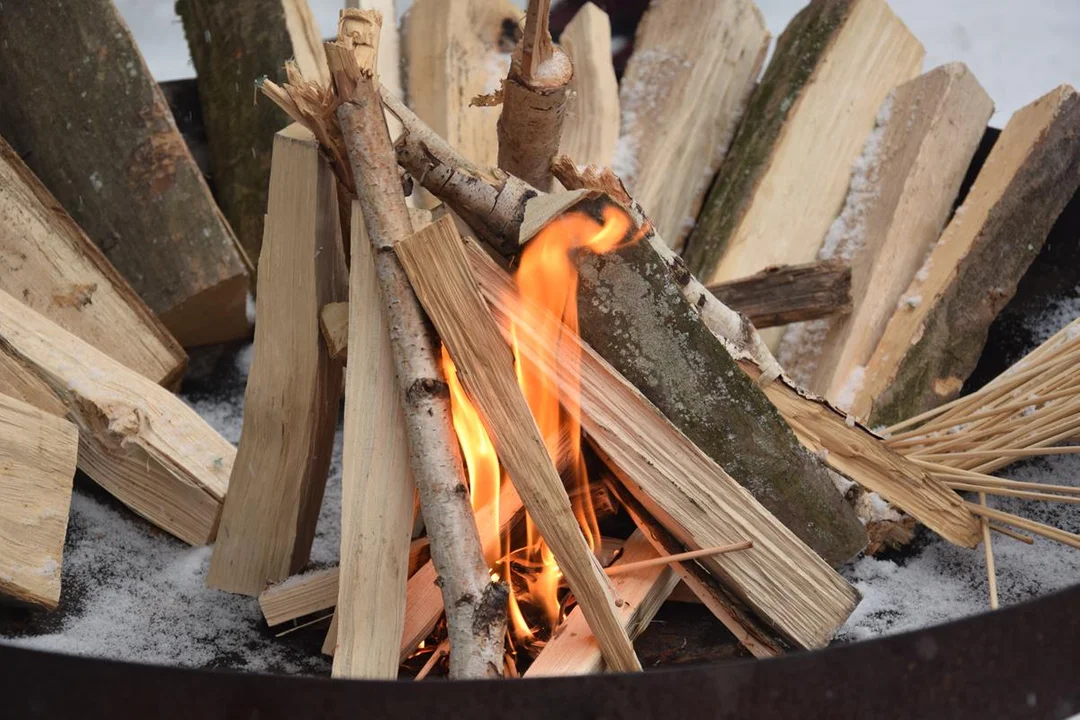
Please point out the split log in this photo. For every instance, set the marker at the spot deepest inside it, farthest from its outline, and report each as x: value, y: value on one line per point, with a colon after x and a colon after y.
x: 454, y: 52
x: 437, y: 268
x: 276, y: 488
x: 376, y: 485
x: 334, y: 321
x: 572, y: 649
x: 934, y: 339
x: 789, y: 293
x: 902, y: 192
x: 37, y: 464
x: 476, y: 605
x: 591, y: 126
x: 136, y: 439
x: 742, y: 342
x: 684, y: 91
x: 54, y: 269
x: 682, y: 487
x: 233, y: 45
x: 786, y: 175
x: 534, y: 102
x: 95, y: 128
x: 759, y: 640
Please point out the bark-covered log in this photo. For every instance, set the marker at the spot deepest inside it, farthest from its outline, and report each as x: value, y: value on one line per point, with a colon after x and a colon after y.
x: 233, y: 45
x: 83, y: 109
x: 789, y: 293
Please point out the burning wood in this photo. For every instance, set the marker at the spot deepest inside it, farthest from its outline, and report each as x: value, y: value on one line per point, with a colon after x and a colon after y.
x: 37, y: 463
x: 276, y: 488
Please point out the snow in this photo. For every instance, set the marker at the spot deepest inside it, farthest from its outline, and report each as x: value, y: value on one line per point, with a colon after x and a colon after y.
x: 853, y: 383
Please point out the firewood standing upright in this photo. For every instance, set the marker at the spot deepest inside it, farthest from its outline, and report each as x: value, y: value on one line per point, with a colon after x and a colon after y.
x: 901, y: 196
x: 786, y: 175
x: 534, y: 101
x: 476, y: 605
x: 276, y: 487
x: 591, y: 126
x: 37, y: 464
x: 933, y: 340
x: 64, y: 276
x: 684, y: 91
x: 233, y: 44
x: 95, y: 128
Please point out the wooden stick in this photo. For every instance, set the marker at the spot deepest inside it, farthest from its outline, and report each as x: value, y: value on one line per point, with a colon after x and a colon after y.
x: 667, y: 469
x: 65, y: 277
x: 999, y: 453
x: 276, y: 488
x: 789, y: 293
x: 991, y: 573
x: 136, y: 439
x: 476, y: 606
x: 683, y: 95
x: 377, y: 486
x: 678, y: 557
x: 436, y: 655
x: 591, y: 126
x: 643, y: 584
x: 1052, y: 533
x: 436, y: 266
x: 125, y: 175
x: 37, y: 464
x: 534, y: 102
x: 1012, y: 533
x: 1008, y: 492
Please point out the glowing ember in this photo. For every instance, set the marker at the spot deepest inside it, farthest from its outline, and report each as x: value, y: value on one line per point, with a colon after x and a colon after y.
x: 546, y: 278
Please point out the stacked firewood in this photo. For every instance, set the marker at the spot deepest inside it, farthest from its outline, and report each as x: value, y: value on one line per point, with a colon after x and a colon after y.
x: 521, y: 271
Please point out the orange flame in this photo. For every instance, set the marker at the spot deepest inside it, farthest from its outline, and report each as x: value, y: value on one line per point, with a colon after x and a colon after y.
x: 547, y: 278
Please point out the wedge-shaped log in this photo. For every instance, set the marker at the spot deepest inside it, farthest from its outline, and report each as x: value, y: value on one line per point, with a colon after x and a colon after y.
x: 95, y: 128
x: 37, y: 464
x: 572, y: 649
x: 682, y: 96
x: 376, y: 485
x: 233, y: 45
x: 902, y: 193
x: 934, y: 339
x: 591, y: 127
x: 136, y: 439
x: 435, y: 261
x: 789, y: 293
x: 293, y: 389
x: 786, y: 175
x: 682, y: 487
x: 455, y: 51
x: 334, y: 321
x: 55, y: 269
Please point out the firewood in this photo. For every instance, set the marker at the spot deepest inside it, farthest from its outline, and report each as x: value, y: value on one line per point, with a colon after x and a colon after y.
x: 741, y: 340
x: 376, y: 486
x: 334, y: 321
x: 232, y: 46
x: 136, y: 439
x: 683, y: 94
x: 789, y: 293
x: 95, y: 128
x: 37, y: 464
x: 437, y: 267
x: 276, y: 488
x: 692, y: 496
x: 476, y: 605
x: 785, y: 177
x: 64, y: 276
x: 454, y: 52
x: 591, y: 126
x: 390, y: 60
x: 760, y: 640
x: 534, y: 102
x: 935, y: 337
x: 901, y: 195
x: 572, y: 649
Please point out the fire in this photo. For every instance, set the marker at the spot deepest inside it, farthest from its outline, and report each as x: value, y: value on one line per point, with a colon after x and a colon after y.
x: 547, y: 278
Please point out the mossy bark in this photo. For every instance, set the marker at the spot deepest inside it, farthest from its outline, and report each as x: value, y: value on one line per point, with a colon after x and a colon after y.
x: 632, y: 313
x: 233, y: 45
x: 799, y: 51
x: 81, y: 107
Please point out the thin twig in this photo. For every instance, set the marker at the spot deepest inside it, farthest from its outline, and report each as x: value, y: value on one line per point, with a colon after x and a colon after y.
x: 679, y: 557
